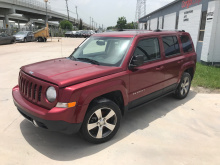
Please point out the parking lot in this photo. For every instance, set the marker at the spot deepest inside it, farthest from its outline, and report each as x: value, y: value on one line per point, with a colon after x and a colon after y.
x: 167, y: 131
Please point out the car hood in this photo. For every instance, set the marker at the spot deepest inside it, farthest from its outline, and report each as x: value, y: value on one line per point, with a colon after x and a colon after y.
x: 65, y: 72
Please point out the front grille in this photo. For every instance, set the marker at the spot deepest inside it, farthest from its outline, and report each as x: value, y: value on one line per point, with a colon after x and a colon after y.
x: 30, y: 90
x: 34, y: 90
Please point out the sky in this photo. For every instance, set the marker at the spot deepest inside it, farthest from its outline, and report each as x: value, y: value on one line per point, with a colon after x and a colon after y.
x: 104, y: 12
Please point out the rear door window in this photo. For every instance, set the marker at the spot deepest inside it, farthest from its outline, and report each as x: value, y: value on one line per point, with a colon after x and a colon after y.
x: 171, y: 45
x: 186, y: 44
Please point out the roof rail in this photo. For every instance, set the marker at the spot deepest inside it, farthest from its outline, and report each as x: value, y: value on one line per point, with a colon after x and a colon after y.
x: 161, y: 30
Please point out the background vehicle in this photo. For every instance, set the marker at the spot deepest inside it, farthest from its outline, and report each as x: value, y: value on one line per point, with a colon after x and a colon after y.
x: 78, y: 34
x: 42, y: 34
x: 68, y: 34
x: 73, y: 33
x: 108, y: 75
x: 6, y: 39
x: 24, y: 36
x: 86, y: 33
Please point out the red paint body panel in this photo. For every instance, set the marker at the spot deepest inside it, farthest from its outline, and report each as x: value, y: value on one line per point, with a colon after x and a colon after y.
x: 65, y: 72
x: 64, y: 114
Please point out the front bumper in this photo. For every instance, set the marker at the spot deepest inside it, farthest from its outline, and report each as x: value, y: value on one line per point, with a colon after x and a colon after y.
x: 19, y: 39
x: 56, y: 119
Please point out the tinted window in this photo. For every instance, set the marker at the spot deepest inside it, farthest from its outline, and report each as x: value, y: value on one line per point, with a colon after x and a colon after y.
x: 171, y: 45
x: 149, y: 48
x: 186, y: 43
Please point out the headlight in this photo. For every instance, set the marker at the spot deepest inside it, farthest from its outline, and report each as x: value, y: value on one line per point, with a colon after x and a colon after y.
x: 51, y: 94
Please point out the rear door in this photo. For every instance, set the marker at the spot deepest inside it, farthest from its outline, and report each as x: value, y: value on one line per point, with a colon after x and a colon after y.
x: 146, y: 81
x: 173, y: 61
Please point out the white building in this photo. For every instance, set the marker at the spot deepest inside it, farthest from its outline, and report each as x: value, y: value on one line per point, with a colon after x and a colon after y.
x: 201, y: 18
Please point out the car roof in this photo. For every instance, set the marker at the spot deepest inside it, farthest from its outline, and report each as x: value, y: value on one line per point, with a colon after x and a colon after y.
x: 133, y: 33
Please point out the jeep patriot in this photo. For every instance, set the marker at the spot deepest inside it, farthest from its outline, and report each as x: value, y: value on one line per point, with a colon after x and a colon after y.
x: 106, y: 76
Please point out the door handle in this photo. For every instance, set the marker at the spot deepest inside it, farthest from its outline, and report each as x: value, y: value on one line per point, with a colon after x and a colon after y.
x: 180, y: 61
x: 160, y: 68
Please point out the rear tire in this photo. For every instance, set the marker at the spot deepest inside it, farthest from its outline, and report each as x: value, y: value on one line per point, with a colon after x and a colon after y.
x: 40, y: 39
x: 183, y: 87
x: 25, y: 40
x: 101, y: 121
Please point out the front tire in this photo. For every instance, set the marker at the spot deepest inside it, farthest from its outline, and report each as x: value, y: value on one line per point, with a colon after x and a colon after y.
x: 183, y: 87
x: 101, y: 122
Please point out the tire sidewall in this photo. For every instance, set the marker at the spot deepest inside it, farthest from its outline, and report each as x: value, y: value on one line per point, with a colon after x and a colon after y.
x: 91, y: 110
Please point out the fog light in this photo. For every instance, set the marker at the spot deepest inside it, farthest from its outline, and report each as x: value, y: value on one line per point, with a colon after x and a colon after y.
x: 66, y: 105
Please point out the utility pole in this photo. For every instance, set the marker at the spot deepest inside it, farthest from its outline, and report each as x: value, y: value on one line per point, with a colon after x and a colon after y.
x: 46, y: 13
x: 77, y: 13
x: 90, y: 22
x: 140, y: 11
x: 67, y: 10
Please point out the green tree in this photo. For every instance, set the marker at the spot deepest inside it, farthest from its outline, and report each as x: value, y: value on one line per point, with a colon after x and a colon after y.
x: 66, y: 25
x: 111, y: 28
x: 132, y: 25
x: 80, y: 24
x: 121, y: 23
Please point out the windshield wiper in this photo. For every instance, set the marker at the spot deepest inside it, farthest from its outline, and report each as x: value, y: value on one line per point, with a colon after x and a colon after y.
x: 88, y: 60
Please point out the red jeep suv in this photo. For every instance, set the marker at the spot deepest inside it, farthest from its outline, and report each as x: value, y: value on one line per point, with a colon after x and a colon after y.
x: 106, y: 76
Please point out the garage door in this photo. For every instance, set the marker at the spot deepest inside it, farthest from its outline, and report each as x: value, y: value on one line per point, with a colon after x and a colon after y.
x: 170, y: 21
x: 153, y: 24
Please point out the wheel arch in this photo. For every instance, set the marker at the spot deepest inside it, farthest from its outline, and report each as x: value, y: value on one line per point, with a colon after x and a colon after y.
x: 113, y: 90
x: 188, y: 67
x: 115, y: 96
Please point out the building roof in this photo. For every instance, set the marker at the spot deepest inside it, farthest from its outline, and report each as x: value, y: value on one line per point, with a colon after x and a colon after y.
x: 169, y: 4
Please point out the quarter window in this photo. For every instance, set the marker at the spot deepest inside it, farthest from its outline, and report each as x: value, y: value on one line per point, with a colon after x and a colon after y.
x: 171, y: 45
x: 186, y: 43
x: 149, y: 48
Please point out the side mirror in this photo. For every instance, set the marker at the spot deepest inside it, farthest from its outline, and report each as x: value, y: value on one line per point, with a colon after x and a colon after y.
x: 137, y: 60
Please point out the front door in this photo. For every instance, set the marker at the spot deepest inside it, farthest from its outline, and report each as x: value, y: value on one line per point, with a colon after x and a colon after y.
x: 146, y: 81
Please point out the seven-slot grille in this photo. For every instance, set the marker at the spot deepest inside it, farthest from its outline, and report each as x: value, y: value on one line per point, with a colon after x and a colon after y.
x: 34, y: 90
x: 29, y: 89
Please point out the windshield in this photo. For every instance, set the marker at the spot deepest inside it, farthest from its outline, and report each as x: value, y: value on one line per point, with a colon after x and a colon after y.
x: 21, y: 33
x: 107, y: 51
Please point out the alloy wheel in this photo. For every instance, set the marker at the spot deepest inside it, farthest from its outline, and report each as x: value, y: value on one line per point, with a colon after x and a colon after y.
x: 184, y: 86
x: 101, y: 123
